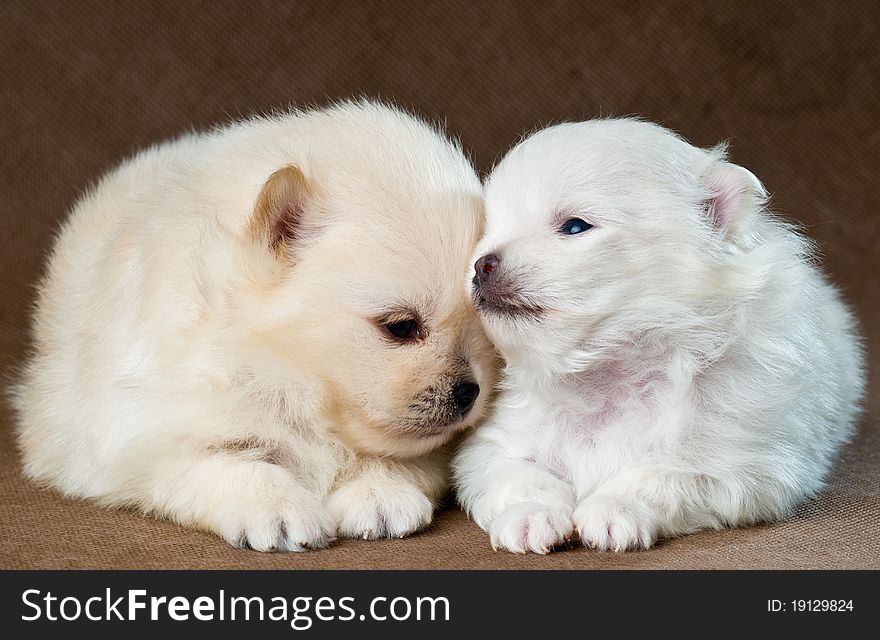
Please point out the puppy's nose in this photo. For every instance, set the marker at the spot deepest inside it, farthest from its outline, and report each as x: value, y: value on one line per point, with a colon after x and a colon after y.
x: 484, y: 267
x: 464, y: 395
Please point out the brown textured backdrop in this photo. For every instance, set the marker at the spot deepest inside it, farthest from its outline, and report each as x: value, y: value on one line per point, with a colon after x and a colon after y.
x: 794, y: 86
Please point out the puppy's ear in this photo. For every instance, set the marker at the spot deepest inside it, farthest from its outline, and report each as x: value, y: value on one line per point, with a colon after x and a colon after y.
x: 734, y: 194
x: 279, y: 207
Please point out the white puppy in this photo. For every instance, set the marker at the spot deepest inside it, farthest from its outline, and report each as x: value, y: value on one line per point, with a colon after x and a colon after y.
x: 675, y: 359
x: 260, y: 331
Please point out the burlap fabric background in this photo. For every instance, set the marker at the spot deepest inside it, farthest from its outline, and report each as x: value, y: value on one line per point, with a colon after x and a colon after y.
x: 793, y: 85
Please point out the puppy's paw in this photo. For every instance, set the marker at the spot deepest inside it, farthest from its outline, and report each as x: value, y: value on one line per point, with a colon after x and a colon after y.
x: 265, y: 509
x: 290, y: 527
x: 527, y: 526
x: 372, y: 510
x: 610, y: 523
x: 286, y: 525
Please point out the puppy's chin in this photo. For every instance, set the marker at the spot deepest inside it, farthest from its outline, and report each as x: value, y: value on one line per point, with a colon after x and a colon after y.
x: 405, y: 439
x: 526, y: 333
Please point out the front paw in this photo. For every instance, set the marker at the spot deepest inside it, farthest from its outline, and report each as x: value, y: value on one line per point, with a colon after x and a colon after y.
x: 527, y: 526
x: 610, y: 523
x: 377, y: 510
x: 282, y: 524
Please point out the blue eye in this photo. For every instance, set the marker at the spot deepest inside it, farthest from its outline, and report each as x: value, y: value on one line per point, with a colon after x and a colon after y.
x: 574, y: 226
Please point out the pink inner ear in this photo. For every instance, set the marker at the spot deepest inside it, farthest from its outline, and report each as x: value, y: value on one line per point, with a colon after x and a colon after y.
x: 727, y: 199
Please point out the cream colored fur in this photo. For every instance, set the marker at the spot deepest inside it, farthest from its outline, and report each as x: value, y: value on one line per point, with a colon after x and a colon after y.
x: 210, y: 343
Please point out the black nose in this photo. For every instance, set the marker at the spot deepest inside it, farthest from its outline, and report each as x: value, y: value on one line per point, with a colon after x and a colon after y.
x: 485, y: 266
x: 464, y: 395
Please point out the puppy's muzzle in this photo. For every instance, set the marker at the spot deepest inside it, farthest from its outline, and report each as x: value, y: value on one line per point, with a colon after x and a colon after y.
x: 496, y: 291
x: 436, y: 411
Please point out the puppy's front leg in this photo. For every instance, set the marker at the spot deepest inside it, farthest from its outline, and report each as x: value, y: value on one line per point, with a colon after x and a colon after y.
x: 386, y: 498
x: 643, y: 503
x: 251, y: 503
x: 523, y: 506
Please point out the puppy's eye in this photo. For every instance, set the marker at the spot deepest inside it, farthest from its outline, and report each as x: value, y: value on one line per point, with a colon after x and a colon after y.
x: 404, y: 330
x: 574, y: 226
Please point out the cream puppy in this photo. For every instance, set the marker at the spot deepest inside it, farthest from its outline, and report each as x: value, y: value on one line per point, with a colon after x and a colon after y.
x: 675, y: 359
x: 260, y: 331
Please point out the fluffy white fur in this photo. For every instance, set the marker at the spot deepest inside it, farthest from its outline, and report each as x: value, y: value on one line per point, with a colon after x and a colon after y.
x: 683, y: 364
x: 211, y: 338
